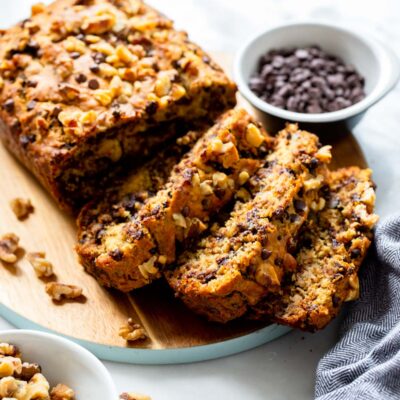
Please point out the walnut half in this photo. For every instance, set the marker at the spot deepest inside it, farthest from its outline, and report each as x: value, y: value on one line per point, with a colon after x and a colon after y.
x: 43, y: 268
x: 132, y: 331
x: 58, y: 291
x: 8, y: 247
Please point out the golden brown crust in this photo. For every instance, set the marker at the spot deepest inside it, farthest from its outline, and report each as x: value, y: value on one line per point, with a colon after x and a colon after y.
x: 199, y: 185
x: 76, y: 72
x: 334, y: 243
x: 246, y: 258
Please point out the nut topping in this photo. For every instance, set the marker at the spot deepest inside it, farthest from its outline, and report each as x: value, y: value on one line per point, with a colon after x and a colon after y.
x: 254, y: 136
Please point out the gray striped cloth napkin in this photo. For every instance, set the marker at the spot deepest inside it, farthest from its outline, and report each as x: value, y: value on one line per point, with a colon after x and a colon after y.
x: 365, y: 363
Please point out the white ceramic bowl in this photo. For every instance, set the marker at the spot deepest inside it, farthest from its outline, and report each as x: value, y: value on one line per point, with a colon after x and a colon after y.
x: 63, y: 361
x: 373, y: 60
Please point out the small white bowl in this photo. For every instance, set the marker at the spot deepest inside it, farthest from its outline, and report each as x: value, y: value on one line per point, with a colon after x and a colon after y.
x: 63, y: 361
x: 372, y: 59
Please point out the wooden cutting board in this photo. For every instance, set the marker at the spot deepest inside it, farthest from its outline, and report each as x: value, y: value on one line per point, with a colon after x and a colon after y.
x: 95, y: 322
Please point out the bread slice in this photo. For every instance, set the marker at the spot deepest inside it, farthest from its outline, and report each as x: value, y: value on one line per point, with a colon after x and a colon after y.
x: 333, y: 244
x: 100, y: 219
x: 246, y: 258
x: 130, y: 253
x: 85, y: 85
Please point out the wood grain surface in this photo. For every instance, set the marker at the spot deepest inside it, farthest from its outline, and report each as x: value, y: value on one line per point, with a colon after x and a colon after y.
x: 98, y: 318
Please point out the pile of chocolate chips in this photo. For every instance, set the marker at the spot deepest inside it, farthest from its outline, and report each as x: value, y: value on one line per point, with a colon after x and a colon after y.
x: 306, y: 80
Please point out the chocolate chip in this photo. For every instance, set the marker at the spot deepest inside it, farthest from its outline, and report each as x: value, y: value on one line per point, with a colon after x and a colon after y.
x: 278, y: 261
x: 116, y: 114
x: 31, y: 83
x: 355, y: 253
x: 185, y: 211
x: 265, y: 254
x: 93, y: 84
x: 26, y: 139
x: 302, y: 54
x: 16, y: 126
x: 151, y: 107
x: 95, y: 69
x: 32, y: 48
x: 81, y: 78
x: 31, y: 105
x: 99, y: 58
x: 299, y: 205
x: 335, y: 300
x: 9, y: 105
x: 74, y: 55
x: 56, y: 111
x: 116, y: 254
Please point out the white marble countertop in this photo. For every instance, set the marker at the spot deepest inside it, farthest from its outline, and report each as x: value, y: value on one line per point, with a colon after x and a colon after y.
x: 285, y: 368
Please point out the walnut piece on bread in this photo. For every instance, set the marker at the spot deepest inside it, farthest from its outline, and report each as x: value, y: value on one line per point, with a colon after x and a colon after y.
x: 8, y: 248
x: 58, y: 291
x: 22, y: 208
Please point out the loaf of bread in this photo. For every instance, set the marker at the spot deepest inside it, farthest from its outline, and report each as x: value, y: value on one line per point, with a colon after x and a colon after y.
x: 132, y: 251
x: 87, y: 84
x: 247, y: 257
x: 333, y: 245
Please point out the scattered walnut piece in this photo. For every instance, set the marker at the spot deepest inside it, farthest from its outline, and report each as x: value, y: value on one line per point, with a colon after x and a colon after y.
x: 132, y: 331
x: 133, y: 396
x: 58, y: 291
x: 62, y: 392
x: 43, y: 268
x: 8, y: 247
x: 22, y: 208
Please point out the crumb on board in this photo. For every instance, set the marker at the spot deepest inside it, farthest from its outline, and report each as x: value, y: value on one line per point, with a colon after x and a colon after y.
x: 43, y: 268
x: 132, y: 331
x: 22, y: 208
x: 8, y: 247
x: 59, y: 291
